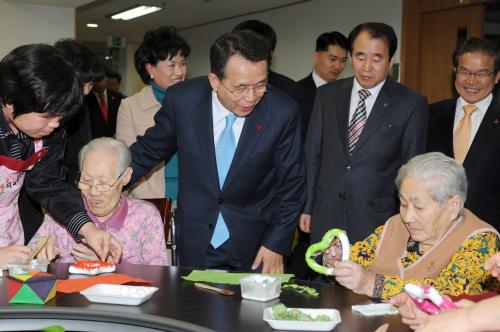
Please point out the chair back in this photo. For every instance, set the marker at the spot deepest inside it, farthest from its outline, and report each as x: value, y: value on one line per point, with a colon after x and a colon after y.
x: 164, y: 205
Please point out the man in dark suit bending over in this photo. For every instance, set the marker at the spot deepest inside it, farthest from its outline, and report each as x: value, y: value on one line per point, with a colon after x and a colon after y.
x: 241, y: 171
x: 468, y: 128
x: 363, y: 129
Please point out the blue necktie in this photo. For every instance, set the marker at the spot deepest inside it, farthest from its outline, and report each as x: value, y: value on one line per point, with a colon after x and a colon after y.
x: 224, y: 153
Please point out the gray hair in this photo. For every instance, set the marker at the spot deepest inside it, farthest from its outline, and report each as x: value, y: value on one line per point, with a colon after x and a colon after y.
x: 443, y: 176
x: 124, y: 158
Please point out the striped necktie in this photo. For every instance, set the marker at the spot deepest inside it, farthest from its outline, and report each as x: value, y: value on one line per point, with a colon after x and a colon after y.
x: 358, y: 120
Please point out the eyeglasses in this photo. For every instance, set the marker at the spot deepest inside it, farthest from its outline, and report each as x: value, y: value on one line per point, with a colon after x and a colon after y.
x: 242, y: 90
x: 481, y: 75
x: 103, y: 188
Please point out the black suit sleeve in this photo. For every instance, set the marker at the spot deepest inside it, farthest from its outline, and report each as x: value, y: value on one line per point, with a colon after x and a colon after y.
x: 415, y: 135
x: 158, y: 143
x: 313, y: 152
x: 289, y: 192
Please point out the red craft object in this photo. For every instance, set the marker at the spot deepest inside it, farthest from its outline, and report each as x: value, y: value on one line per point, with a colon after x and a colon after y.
x: 91, y: 267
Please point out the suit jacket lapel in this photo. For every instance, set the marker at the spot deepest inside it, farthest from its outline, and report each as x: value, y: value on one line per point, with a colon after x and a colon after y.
x: 448, y: 123
x: 203, y: 122
x: 381, y: 109
x: 252, y: 131
x: 486, y: 131
x: 343, y: 113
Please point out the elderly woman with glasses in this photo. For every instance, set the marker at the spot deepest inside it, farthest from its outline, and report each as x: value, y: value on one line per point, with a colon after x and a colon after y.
x: 104, y: 170
x: 433, y: 241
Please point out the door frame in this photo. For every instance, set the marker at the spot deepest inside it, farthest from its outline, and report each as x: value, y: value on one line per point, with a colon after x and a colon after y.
x: 410, y: 33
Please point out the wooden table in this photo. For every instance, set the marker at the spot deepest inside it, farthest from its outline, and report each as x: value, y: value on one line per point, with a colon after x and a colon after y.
x: 178, y: 302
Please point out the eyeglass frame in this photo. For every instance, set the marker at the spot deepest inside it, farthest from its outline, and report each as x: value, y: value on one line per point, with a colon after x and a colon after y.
x: 478, y: 75
x: 77, y: 183
x: 244, y: 89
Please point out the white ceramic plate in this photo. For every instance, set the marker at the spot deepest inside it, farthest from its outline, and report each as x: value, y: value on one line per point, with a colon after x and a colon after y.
x: 304, y: 326
x: 118, y: 294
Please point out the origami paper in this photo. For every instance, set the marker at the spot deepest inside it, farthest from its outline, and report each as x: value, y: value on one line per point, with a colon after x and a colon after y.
x: 31, y: 287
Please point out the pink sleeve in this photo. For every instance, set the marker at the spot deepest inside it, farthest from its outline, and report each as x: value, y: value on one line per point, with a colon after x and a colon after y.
x: 59, y: 234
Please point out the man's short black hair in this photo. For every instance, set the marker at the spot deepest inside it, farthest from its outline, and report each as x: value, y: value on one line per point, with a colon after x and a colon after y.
x: 161, y: 44
x: 331, y: 38
x: 478, y: 45
x: 376, y: 30
x: 250, y: 45
x: 114, y: 74
x: 86, y: 63
x: 261, y: 28
x: 36, y: 78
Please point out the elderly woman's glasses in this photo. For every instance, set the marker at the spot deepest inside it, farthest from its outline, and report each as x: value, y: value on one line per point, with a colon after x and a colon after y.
x: 101, y: 187
x: 243, y: 90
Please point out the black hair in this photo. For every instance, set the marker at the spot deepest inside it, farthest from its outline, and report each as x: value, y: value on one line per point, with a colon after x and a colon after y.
x: 250, y: 45
x: 331, y: 38
x: 36, y: 78
x: 86, y: 63
x: 113, y: 74
x: 478, y: 45
x: 161, y: 44
x: 376, y: 30
x: 259, y: 27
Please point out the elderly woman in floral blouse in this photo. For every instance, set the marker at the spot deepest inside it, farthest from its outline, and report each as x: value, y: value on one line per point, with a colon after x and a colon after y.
x: 433, y: 241
x: 104, y: 170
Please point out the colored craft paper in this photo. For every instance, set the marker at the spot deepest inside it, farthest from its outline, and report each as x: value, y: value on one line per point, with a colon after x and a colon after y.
x: 228, y: 278
x: 76, y: 285
x: 31, y: 288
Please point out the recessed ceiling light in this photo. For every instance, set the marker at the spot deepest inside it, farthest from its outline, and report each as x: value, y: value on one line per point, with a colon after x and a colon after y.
x: 92, y: 25
x: 135, y: 12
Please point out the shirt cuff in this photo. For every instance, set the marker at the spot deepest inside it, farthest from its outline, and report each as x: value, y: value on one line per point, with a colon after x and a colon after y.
x: 76, y: 223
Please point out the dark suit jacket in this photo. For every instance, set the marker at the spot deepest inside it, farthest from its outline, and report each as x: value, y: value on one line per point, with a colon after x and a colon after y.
x: 309, y: 88
x: 358, y: 193
x: 264, y: 189
x: 286, y: 85
x: 482, y: 161
x: 101, y: 128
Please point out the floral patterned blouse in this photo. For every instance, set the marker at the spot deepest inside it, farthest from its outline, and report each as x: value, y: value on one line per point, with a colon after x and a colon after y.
x: 464, y: 273
x: 136, y: 224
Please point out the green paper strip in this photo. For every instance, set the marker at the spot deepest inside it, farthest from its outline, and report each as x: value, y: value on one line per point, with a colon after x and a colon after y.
x: 218, y: 277
x: 301, y: 289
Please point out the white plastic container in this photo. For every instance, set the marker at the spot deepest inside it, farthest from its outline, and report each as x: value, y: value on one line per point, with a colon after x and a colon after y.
x: 293, y: 325
x: 260, y: 287
x: 118, y: 294
x: 19, y: 267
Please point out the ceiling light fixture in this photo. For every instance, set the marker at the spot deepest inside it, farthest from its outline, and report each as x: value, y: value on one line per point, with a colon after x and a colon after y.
x: 92, y: 25
x: 135, y: 12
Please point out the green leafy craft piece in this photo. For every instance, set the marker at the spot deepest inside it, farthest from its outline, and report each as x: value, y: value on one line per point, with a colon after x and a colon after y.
x: 281, y: 312
x: 53, y: 328
x: 301, y: 289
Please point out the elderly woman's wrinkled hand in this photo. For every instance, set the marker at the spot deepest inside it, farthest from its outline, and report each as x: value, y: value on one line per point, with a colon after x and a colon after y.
x: 333, y: 254
x: 354, y: 277
x: 410, y: 313
x: 493, y: 265
x: 82, y: 252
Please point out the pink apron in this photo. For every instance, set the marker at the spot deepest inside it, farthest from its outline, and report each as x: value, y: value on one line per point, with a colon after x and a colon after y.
x: 12, y: 172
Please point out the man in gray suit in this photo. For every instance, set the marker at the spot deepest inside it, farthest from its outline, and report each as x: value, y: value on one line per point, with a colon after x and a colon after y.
x: 362, y: 130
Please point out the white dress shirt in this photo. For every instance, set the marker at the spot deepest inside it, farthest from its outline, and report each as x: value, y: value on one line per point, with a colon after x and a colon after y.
x: 369, y: 102
x: 476, y: 117
x: 219, y: 113
x: 318, y: 81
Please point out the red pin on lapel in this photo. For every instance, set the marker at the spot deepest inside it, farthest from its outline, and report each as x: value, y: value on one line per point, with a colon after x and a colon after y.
x: 259, y: 127
x: 496, y: 121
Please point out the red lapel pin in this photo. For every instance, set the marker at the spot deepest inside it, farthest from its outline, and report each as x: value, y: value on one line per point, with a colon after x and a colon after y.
x: 259, y: 127
x: 496, y: 121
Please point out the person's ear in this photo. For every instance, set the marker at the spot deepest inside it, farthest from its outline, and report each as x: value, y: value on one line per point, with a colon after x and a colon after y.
x: 454, y: 205
x: 214, y: 81
x: 127, y: 175
x: 150, y: 69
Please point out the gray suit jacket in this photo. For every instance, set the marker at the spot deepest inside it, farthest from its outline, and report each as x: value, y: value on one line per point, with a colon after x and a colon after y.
x: 357, y: 193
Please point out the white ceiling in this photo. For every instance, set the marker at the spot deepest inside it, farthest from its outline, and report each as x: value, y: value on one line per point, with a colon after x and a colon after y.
x: 179, y: 13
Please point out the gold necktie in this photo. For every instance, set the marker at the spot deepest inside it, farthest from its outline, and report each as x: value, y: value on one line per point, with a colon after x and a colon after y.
x: 461, y: 139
